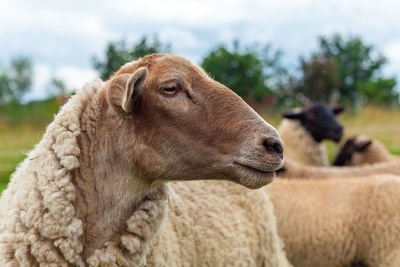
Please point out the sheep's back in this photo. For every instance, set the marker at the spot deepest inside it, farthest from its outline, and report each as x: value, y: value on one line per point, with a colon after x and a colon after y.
x: 218, y: 223
x: 337, y: 221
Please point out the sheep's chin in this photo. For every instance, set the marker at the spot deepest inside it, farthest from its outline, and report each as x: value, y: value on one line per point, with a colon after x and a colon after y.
x: 250, y: 177
x: 257, y: 183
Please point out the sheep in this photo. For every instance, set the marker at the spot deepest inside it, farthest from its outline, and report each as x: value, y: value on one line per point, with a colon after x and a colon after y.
x: 361, y: 150
x: 339, y: 221
x: 95, y: 191
x: 292, y: 169
x: 302, y: 133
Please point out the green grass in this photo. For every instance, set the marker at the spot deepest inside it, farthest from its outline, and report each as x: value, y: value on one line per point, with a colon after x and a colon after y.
x: 380, y: 123
x: 21, y: 127
x: 15, y: 142
x: 34, y: 113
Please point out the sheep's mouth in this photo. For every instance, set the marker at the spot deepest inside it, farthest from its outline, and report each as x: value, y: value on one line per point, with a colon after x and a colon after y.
x: 336, y: 136
x: 253, y: 169
x: 252, y: 177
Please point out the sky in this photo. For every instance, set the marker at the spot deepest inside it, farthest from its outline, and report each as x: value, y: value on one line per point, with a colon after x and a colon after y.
x: 61, y: 36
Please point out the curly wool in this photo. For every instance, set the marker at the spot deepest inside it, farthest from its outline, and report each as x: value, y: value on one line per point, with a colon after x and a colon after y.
x: 300, y: 145
x: 196, y: 223
x: 37, y: 216
x: 38, y: 225
x: 339, y: 221
x: 141, y: 229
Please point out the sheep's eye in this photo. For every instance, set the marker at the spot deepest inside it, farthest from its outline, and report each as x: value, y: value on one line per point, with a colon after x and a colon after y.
x: 170, y: 90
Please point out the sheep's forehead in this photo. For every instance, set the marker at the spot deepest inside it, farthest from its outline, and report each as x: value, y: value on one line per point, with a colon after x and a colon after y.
x: 163, y: 67
x: 157, y: 61
x: 175, y: 65
x: 360, y: 139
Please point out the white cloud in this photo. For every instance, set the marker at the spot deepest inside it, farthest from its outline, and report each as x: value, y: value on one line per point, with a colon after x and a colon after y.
x: 182, y: 39
x: 392, y: 52
x: 192, y: 13
x: 69, y: 32
x: 41, y: 79
x: 74, y: 77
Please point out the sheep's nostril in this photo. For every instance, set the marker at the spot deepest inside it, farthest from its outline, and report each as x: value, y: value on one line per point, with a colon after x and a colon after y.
x: 274, y: 146
x: 338, y: 130
x: 339, y: 133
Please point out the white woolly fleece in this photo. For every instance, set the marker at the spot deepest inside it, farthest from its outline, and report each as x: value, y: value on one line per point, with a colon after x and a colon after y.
x: 300, y: 145
x: 37, y: 214
x: 38, y: 225
x: 339, y: 221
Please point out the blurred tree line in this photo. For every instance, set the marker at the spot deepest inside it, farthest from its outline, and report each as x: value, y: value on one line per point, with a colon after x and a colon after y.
x: 118, y: 53
x: 15, y: 79
x: 345, y: 71
x: 340, y: 70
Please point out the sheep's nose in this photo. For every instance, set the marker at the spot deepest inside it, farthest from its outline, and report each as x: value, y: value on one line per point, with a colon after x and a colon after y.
x: 275, y: 146
x: 338, y: 130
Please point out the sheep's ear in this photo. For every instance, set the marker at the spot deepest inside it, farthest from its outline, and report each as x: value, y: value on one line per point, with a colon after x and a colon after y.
x: 363, y: 145
x: 293, y: 116
x: 125, y: 89
x: 337, y: 110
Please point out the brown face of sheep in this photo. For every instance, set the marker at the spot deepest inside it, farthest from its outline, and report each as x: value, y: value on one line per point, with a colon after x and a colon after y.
x: 176, y: 123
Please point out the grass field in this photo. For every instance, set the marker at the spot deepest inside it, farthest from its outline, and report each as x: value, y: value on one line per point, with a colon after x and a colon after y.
x: 22, y: 128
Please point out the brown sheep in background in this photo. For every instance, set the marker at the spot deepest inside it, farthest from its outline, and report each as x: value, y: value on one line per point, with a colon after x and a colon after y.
x: 339, y: 221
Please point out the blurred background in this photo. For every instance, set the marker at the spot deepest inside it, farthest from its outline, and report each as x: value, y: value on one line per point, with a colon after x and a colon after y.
x: 276, y: 54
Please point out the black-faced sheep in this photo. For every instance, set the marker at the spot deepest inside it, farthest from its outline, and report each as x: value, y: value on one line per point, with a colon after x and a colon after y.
x: 361, y: 150
x: 302, y: 133
x: 94, y: 191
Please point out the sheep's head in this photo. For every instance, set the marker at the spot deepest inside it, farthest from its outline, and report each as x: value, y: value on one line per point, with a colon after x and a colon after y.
x: 351, y: 152
x: 170, y: 121
x: 319, y: 120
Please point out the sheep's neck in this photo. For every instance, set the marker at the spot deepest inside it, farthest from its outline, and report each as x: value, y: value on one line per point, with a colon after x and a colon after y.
x: 308, y: 151
x: 108, y: 194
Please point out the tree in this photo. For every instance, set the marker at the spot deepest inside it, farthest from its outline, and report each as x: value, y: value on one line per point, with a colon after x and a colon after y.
x: 15, y: 80
x: 346, y: 71
x: 245, y: 70
x: 358, y: 63
x: 119, y: 53
x: 5, y: 92
x: 379, y: 91
x: 319, y: 81
x: 57, y: 87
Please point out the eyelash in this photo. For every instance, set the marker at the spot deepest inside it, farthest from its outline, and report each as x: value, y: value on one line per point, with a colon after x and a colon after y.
x: 163, y: 91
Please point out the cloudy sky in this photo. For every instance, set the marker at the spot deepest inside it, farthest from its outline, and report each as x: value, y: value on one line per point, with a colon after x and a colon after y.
x: 61, y: 36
